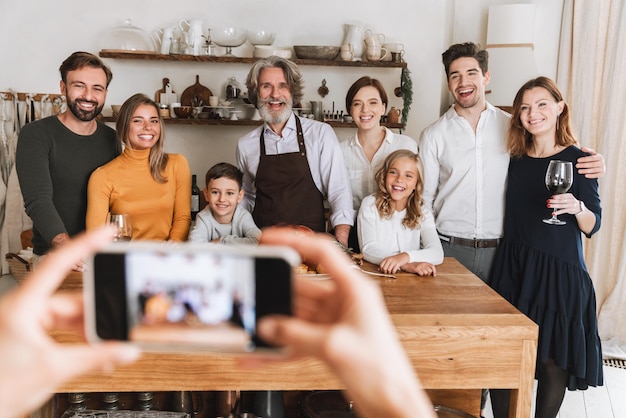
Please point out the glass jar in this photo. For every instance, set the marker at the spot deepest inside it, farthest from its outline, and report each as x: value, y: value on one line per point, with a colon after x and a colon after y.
x: 233, y: 89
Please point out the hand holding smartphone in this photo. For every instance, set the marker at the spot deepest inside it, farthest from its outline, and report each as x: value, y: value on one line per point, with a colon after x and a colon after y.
x: 167, y: 297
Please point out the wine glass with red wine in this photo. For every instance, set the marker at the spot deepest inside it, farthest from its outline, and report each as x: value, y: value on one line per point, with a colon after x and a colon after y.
x: 559, y: 178
x: 123, y: 230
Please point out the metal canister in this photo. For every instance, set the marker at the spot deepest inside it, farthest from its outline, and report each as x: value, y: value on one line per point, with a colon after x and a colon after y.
x: 164, y: 110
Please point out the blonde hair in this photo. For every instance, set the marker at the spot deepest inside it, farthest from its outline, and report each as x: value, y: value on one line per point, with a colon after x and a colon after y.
x: 519, y: 141
x: 415, y: 202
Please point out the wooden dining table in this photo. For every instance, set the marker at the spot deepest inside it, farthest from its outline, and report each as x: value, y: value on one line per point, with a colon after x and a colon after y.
x: 460, y: 336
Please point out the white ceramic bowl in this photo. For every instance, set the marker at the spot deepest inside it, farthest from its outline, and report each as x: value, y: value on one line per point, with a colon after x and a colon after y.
x: 229, y: 37
x: 264, y: 51
x: 261, y: 37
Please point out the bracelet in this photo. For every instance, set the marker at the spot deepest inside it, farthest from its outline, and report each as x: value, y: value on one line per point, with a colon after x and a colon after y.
x: 582, y: 208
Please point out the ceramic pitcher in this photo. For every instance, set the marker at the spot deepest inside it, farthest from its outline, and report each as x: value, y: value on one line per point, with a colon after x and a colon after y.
x: 164, y: 38
x: 192, y: 31
x: 354, y: 36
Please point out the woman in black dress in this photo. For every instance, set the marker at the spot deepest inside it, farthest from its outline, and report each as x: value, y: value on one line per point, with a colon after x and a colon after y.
x: 539, y: 267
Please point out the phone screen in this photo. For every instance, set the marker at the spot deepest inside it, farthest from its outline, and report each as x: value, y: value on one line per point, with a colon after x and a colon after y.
x: 186, y: 299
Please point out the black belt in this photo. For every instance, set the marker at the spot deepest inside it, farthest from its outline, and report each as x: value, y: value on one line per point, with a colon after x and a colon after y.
x: 474, y: 243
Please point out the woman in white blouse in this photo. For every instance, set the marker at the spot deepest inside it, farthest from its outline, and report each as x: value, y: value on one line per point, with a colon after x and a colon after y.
x: 366, y: 101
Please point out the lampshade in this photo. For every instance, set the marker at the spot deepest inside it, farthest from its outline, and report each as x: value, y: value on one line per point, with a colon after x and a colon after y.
x: 510, y: 47
x: 510, y: 24
x: 510, y: 67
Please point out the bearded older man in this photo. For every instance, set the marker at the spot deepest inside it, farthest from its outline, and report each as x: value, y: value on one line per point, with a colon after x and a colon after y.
x: 291, y: 164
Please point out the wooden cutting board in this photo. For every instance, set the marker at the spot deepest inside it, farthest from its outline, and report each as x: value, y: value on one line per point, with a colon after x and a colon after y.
x: 166, y: 94
x: 197, y: 92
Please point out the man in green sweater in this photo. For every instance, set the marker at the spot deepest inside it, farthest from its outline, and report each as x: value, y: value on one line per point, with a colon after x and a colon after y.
x: 56, y: 155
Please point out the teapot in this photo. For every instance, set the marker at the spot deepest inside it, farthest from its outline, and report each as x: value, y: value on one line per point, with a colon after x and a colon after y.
x: 192, y: 32
x: 394, y: 115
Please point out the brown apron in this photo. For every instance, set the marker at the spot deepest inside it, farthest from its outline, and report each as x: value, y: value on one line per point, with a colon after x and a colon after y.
x: 285, y: 190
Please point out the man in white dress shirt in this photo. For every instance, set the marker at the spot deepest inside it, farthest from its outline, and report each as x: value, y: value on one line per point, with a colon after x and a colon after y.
x: 290, y: 164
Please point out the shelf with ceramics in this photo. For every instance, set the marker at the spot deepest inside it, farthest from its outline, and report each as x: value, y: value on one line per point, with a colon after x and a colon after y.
x: 149, y: 56
x: 247, y: 122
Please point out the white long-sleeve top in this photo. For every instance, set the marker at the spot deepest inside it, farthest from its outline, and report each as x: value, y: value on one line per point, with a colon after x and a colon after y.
x: 380, y: 238
x: 361, y: 170
x: 465, y: 173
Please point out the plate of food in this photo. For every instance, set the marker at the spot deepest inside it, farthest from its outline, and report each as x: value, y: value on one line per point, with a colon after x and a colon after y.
x: 308, y: 272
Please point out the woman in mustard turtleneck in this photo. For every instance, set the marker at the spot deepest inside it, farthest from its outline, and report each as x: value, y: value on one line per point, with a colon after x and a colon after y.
x: 153, y: 187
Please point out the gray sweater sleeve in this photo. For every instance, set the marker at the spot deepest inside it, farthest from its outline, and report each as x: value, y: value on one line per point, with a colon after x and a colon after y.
x: 33, y: 170
x: 244, y: 230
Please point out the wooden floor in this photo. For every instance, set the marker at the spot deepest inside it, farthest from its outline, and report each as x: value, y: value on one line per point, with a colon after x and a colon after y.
x: 608, y: 401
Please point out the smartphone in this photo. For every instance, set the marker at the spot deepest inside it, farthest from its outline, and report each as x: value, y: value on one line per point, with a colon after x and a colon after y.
x: 172, y: 297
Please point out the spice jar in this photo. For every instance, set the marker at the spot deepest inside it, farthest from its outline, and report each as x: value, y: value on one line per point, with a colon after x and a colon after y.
x: 164, y: 110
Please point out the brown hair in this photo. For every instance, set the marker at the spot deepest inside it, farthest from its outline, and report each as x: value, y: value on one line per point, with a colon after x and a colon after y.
x: 414, y: 205
x: 365, y: 81
x: 81, y: 59
x: 225, y: 170
x: 290, y: 69
x: 519, y: 141
x: 469, y: 50
x: 158, y: 158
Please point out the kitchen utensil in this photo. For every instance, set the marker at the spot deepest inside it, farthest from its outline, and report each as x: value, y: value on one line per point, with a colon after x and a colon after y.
x: 165, y: 95
x: 229, y: 38
x: 193, y: 94
x: 316, y: 52
x: 372, y: 273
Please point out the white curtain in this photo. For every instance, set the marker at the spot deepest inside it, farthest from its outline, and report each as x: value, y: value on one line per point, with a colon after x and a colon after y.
x: 592, y: 64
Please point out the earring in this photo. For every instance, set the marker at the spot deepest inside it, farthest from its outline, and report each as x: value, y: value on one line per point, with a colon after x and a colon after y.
x: 557, y: 122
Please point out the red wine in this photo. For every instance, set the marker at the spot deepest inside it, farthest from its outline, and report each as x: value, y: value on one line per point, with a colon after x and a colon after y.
x: 558, y: 188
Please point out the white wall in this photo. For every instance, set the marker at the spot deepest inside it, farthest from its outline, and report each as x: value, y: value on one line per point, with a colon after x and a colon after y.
x: 35, y: 43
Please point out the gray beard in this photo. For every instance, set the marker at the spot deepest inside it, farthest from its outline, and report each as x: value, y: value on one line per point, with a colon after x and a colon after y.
x: 275, y: 118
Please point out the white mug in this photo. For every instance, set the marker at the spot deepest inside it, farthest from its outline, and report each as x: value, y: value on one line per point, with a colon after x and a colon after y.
x: 214, y: 101
x: 172, y: 106
x: 376, y: 53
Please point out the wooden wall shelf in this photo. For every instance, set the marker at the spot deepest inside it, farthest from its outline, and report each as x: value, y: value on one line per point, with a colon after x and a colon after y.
x: 247, y: 122
x: 240, y: 60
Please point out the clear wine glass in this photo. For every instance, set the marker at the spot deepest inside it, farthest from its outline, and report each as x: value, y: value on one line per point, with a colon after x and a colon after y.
x: 123, y: 229
x: 559, y: 178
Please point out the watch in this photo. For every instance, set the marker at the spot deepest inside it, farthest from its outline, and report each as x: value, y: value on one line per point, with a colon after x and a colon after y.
x: 582, y: 208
